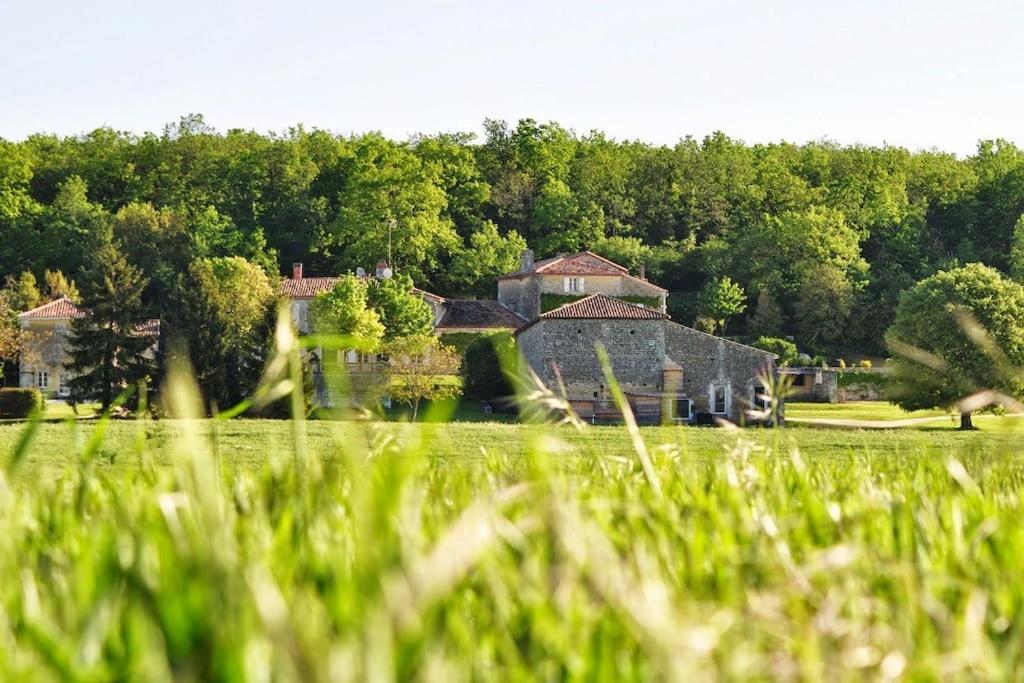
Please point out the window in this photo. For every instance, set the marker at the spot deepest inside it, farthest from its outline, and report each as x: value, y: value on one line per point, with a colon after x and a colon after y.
x: 42, y: 379
x: 761, y: 401
x: 681, y: 408
x: 574, y: 285
x: 720, y: 399
x: 64, y: 388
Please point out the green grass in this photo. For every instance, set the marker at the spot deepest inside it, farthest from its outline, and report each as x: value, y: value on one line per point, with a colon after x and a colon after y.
x: 856, y: 410
x: 269, y: 550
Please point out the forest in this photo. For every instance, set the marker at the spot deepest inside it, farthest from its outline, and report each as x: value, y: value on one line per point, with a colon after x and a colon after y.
x: 821, y: 238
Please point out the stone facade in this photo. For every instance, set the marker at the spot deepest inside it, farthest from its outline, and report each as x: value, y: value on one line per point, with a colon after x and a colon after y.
x: 657, y: 362
x: 579, y: 275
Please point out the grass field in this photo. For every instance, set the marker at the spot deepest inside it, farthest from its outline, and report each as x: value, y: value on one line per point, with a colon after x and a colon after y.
x: 271, y: 550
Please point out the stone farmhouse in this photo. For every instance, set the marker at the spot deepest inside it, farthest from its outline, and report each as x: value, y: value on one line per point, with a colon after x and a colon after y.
x: 43, y: 360
x: 560, y: 308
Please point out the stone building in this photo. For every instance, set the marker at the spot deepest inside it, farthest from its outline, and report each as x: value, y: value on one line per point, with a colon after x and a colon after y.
x: 542, y: 285
x: 45, y: 346
x: 666, y: 370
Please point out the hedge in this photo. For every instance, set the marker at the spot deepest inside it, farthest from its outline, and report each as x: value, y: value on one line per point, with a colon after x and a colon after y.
x: 18, y: 403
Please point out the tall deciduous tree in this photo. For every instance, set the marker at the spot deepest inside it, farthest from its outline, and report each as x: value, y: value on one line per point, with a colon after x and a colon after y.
x: 402, y: 312
x: 720, y: 300
x: 345, y: 311
x: 956, y: 333
x: 224, y: 322
x: 109, y: 346
x: 391, y: 206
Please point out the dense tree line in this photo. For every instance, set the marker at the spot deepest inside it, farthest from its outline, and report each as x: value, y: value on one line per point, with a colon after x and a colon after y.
x: 820, y: 239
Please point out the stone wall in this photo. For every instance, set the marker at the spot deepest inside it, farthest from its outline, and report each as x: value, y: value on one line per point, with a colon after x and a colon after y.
x: 707, y: 360
x: 635, y: 347
x: 521, y: 295
x: 638, y: 349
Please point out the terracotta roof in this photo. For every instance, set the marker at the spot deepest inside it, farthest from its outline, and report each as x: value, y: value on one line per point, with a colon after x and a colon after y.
x: 58, y: 309
x: 150, y: 327
x: 601, y: 306
x: 582, y: 263
x: 309, y: 287
x: 306, y: 287
x: 476, y: 314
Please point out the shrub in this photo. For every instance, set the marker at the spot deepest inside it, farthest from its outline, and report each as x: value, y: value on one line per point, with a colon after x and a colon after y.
x: 18, y: 403
x: 865, y: 363
x: 482, y: 374
x: 841, y: 363
x: 783, y: 348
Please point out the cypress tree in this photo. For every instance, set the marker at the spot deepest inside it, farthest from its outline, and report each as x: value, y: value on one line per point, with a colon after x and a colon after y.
x: 108, y: 345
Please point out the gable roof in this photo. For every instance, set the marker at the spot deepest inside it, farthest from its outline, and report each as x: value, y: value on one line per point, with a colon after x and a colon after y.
x: 55, y: 310
x: 478, y: 314
x: 601, y: 306
x: 309, y: 287
x: 306, y: 287
x: 581, y: 263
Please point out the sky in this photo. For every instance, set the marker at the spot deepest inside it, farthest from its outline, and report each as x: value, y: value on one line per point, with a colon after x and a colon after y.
x: 921, y: 74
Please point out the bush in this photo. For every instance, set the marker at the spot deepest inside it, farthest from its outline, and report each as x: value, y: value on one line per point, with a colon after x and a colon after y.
x: 482, y: 375
x: 784, y: 349
x: 841, y: 363
x: 865, y: 363
x: 18, y: 403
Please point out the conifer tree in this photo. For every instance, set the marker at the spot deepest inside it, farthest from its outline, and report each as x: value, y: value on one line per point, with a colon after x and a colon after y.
x: 109, y: 345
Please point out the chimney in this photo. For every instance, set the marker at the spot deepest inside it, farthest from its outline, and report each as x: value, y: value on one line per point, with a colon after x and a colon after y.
x: 526, y: 261
x: 643, y: 272
x: 296, y: 271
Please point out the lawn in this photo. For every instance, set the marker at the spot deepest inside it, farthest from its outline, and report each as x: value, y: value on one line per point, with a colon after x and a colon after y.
x: 270, y: 550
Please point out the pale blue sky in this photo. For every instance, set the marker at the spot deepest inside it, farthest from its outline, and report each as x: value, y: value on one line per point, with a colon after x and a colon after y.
x: 920, y: 74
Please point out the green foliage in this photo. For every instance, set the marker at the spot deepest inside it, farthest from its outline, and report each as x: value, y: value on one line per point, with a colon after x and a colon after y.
x: 460, y: 341
x: 20, y: 403
x: 853, y: 378
x: 783, y: 348
x: 402, y: 312
x: 956, y: 333
x: 109, y: 351
x: 483, y: 374
x: 1017, y: 250
x: 419, y: 368
x: 720, y: 300
x: 764, y: 215
x: 766, y: 320
x: 550, y: 301
x: 345, y: 311
x: 487, y: 255
x: 224, y: 325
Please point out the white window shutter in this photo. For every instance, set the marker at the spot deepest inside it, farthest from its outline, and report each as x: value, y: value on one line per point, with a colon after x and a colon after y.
x: 565, y: 284
x: 580, y: 282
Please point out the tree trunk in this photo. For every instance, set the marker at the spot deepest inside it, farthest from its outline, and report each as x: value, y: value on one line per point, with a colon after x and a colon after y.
x: 415, y: 409
x: 965, y: 422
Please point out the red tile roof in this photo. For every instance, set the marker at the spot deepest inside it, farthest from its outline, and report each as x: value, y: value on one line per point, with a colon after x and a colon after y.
x: 601, y: 306
x: 582, y: 263
x: 309, y: 287
x: 58, y: 309
x: 306, y: 287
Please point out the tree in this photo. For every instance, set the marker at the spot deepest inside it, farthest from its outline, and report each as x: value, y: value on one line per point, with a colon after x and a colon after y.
x: 483, y: 372
x: 719, y: 300
x: 1017, y: 251
x: 402, y: 312
x: 630, y: 252
x: 421, y: 367
x: 23, y: 291
x: 109, y: 347
x: 223, y: 319
x: 391, y: 206
x: 957, y: 332
x: 783, y: 348
x: 823, y: 304
x: 767, y: 318
x: 58, y: 285
x: 345, y: 311
x: 487, y: 255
